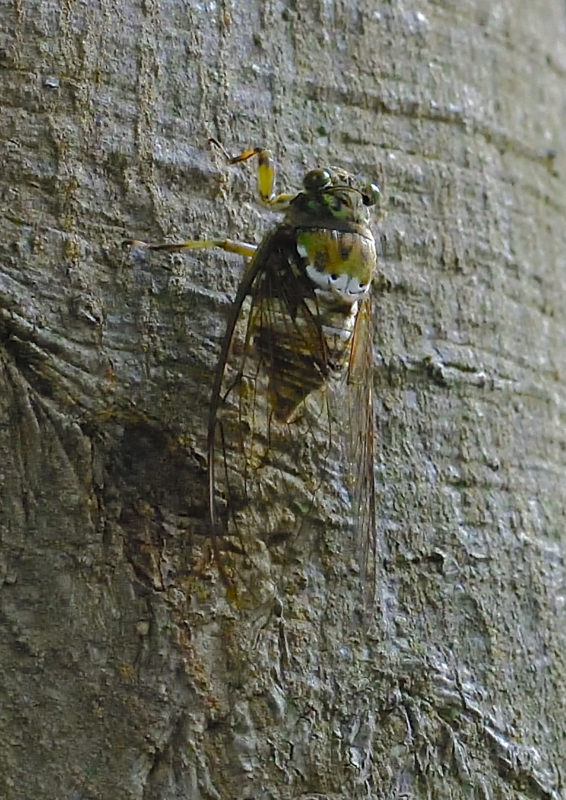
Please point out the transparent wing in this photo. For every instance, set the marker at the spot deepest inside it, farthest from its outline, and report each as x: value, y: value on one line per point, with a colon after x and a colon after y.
x: 361, y: 441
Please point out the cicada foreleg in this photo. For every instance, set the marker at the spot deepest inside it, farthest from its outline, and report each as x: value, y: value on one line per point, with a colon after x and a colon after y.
x: 265, y: 175
x: 230, y: 245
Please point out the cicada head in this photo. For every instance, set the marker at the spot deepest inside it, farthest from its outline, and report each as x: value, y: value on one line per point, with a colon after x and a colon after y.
x: 332, y: 199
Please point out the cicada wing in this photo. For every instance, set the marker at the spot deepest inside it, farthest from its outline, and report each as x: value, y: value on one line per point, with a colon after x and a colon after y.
x: 361, y: 439
x: 262, y: 444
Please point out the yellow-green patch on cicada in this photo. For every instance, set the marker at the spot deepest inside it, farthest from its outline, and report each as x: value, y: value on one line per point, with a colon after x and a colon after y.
x: 295, y: 369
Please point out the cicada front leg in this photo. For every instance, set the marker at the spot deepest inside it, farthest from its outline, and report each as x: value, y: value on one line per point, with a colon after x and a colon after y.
x: 267, y: 195
x: 265, y: 175
x: 230, y: 245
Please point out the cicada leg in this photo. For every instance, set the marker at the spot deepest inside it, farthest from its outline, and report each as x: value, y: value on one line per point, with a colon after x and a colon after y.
x: 265, y: 175
x: 241, y: 248
x: 267, y: 195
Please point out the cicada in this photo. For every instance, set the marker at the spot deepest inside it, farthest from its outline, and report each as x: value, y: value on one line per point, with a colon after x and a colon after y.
x: 291, y: 414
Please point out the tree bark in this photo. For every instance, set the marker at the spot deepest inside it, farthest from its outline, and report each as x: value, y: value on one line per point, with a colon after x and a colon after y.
x: 126, y: 672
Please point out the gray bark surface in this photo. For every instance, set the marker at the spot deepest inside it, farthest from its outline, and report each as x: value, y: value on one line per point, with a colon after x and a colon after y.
x: 125, y: 672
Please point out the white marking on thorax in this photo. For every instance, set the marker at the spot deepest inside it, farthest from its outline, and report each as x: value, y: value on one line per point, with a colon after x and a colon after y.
x: 349, y: 289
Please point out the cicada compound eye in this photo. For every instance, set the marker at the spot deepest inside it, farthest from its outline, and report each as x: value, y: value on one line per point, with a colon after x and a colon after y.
x: 317, y: 179
x: 371, y: 194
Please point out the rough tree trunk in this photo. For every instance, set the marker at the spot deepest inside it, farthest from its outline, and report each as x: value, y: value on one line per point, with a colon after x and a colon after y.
x: 125, y: 671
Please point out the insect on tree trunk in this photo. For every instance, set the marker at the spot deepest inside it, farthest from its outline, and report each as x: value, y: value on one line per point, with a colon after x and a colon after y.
x: 128, y: 668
